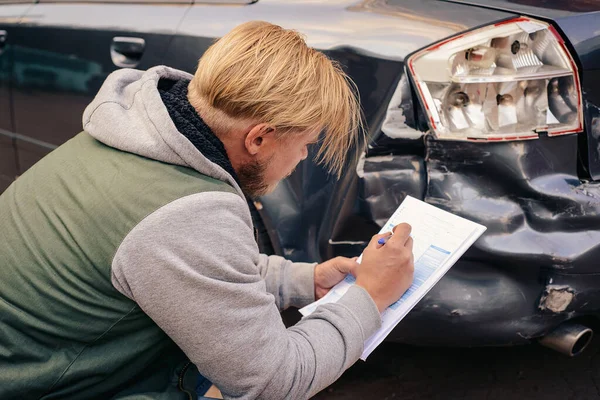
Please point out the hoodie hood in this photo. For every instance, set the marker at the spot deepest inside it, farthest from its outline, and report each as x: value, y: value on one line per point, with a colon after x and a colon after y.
x: 129, y: 114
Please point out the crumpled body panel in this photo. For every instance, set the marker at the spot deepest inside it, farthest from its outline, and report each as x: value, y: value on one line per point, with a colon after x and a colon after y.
x: 535, y: 266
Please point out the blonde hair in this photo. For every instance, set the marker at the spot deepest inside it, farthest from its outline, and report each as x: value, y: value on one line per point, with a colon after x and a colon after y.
x: 262, y: 73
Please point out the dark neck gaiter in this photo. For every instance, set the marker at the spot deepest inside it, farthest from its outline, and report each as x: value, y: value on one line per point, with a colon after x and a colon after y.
x: 188, y: 122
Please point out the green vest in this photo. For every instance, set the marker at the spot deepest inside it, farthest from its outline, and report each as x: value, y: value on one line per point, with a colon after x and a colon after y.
x: 65, y: 331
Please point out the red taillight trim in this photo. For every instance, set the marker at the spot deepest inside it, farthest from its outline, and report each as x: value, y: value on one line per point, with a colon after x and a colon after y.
x: 503, y: 138
x: 557, y: 35
x: 576, y: 130
x: 412, y: 71
x: 443, y: 42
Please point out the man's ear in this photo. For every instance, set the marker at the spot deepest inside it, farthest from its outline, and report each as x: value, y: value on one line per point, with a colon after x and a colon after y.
x: 256, y: 137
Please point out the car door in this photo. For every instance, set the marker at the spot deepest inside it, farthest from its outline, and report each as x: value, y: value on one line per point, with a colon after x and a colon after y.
x: 64, y: 50
x: 10, y: 14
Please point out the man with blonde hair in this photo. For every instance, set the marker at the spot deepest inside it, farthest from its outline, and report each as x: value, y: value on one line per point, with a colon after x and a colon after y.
x: 128, y: 265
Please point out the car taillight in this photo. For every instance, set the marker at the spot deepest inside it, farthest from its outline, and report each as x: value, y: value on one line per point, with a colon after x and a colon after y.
x: 506, y: 81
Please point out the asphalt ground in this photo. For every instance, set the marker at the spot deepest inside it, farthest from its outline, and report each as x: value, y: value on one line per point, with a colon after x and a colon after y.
x: 395, y: 371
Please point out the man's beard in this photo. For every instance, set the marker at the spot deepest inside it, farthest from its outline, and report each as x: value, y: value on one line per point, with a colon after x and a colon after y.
x: 251, y: 176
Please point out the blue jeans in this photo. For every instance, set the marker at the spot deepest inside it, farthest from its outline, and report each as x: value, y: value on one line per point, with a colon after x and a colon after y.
x: 202, y: 385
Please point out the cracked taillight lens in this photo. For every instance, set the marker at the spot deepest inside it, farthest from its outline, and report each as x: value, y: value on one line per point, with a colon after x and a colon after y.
x: 506, y: 81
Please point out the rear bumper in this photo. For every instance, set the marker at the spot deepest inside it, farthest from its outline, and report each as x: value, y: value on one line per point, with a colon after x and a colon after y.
x: 479, y: 305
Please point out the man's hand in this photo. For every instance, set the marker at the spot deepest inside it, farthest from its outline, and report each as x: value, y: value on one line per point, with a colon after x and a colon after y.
x: 329, y: 273
x: 387, y: 270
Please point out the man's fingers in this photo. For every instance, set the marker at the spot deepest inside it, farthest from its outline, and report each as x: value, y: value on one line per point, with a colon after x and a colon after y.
x: 409, y: 243
x: 401, y: 233
x: 346, y: 265
x: 375, y: 239
x: 400, y: 236
x: 353, y: 267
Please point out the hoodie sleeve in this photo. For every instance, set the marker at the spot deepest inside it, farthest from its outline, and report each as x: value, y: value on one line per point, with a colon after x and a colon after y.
x: 194, y: 268
x: 292, y: 284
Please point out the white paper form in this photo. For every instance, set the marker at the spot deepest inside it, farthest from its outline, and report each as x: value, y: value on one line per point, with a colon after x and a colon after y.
x: 439, y: 240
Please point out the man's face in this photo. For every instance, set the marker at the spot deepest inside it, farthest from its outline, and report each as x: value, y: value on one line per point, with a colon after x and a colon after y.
x: 276, y: 161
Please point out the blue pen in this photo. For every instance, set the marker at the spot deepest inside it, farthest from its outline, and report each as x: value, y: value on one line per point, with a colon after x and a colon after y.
x: 384, y: 239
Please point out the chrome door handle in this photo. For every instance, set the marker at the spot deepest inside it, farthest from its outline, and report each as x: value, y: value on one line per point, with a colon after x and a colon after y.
x: 126, y: 52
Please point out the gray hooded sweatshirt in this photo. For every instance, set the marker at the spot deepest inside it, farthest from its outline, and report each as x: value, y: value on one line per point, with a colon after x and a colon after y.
x: 194, y: 267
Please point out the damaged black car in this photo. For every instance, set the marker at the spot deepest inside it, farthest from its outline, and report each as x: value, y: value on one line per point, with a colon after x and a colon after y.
x: 489, y: 109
